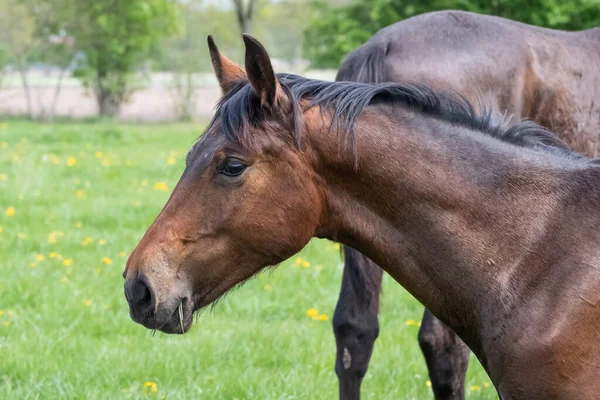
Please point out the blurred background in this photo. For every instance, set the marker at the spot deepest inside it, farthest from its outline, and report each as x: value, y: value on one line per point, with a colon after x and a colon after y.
x: 147, y: 59
x: 99, y: 103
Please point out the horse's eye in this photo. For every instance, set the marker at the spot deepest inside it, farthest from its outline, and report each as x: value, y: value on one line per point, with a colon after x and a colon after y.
x: 232, y: 167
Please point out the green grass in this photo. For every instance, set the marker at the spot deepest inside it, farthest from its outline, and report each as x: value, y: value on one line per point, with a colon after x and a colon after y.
x: 65, y: 331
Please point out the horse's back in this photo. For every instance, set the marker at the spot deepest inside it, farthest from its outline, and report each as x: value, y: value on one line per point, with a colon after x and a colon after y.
x: 529, y: 72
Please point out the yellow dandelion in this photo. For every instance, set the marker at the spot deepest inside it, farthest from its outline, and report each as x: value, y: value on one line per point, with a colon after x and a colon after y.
x: 305, y: 264
x: 52, y: 237
x: 3, y: 177
x: 80, y: 194
x: 1, y: 313
x: 323, y: 317
x: 151, y: 387
x: 39, y: 257
x: 419, y: 323
x: 6, y: 323
x: 428, y: 383
x: 106, y: 307
x: 71, y: 161
x: 101, y: 242
x: 52, y: 254
x: 98, y: 270
x: 64, y: 279
x: 10, y: 212
x: 98, y: 154
x: 22, y: 235
x: 87, y: 303
x: 160, y: 186
x: 486, y: 384
x: 128, y: 163
x: 122, y: 254
x: 106, y: 162
x: 268, y: 287
x: 1, y: 229
x: 475, y: 388
x: 312, y: 312
x: 67, y: 262
x: 144, y: 182
x: 298, y: 261
x: 410, y: 322
x: 171, y: 160
x: 32, y: 264
x: 4, y: 145
x: 106, y: 260
x: 78, y: 224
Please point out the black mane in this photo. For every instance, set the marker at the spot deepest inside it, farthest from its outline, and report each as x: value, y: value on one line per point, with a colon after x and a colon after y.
x: 240, y: 109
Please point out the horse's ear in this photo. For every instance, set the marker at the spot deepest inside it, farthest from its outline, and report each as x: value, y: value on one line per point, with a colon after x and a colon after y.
x: 226, y: 70
x: 260, y: 71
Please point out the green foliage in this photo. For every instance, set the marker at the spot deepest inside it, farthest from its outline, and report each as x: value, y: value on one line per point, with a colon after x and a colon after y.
x: 17, y: 28
x: 335, y: 31
x: 116, y: 36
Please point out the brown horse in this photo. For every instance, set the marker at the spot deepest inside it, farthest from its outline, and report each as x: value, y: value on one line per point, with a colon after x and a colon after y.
x: 493, y: 229
x: 548, y: 76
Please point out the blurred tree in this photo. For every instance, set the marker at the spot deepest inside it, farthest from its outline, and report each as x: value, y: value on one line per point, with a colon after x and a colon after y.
x: 17, y: 31
x: 335, y: 30
x: 54, y: 20
x: 278, y: 25
x: 181, y: 54
x: 115, y: 37
x: 245, y: 14
x: 4, y: 61
x: 281, y: 25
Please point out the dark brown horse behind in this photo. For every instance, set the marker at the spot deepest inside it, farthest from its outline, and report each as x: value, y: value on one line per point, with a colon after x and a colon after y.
x: 548, y: 76
x: 494, y: 229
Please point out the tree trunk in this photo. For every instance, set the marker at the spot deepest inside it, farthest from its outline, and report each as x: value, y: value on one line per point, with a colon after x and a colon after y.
x: 22, y: 67
x: 108, y: 97
x: 244, y: 15
x: 57, y: 89
x: 108, y: 103
x: 184, y: 95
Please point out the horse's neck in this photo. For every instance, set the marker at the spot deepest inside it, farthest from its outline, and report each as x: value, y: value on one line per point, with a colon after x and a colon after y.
x: 433, y: 208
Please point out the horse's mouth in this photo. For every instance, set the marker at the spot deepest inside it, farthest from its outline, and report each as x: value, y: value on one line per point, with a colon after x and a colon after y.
x: 181, y: 319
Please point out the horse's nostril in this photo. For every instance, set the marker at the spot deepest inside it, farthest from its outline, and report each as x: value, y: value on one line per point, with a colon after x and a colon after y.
x: 138, y: 293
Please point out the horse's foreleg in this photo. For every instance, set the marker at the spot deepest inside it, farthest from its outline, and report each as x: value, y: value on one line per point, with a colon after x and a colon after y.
x: 355, y: 322
x: 447, y: 358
